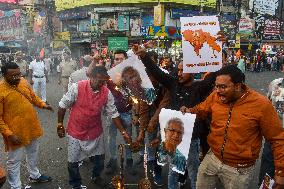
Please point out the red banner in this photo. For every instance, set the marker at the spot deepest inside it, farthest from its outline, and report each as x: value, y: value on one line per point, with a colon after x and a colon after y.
x: 8, y: 1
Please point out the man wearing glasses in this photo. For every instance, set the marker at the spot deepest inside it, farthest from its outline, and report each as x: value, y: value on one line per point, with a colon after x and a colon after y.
x: 241, y: 118
x: 19, y: 125
x: 168, y: 153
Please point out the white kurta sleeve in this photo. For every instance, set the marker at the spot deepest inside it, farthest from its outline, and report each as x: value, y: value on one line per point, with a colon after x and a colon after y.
x: 70, y: 97
x: 110, y: 108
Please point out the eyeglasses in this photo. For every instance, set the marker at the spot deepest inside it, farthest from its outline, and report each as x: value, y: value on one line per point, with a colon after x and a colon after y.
x: 222, y: 87
x: 175, y: 131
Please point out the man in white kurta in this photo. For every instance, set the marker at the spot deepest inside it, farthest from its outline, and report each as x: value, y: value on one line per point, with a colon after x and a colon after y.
x: 87, y: 99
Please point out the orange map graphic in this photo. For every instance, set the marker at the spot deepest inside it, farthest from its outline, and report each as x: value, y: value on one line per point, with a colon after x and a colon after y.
x: 197, y: 39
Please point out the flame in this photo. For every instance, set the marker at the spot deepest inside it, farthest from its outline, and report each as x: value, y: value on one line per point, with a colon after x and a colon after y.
x: 116, y: 88
x: 135, y: 100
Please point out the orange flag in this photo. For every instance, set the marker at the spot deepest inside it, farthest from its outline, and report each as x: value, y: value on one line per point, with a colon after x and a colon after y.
x: 104, y: 51
x: 41, y: 53
x: 238, y: 54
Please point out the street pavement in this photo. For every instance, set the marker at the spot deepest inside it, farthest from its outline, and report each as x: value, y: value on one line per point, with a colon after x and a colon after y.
x: 53, y: 151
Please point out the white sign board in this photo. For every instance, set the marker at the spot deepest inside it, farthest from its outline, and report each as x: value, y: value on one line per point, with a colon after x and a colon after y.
x: 188, y: 121
x: 264, y: 6
x: 246, y: 26
x: 201, y: 51
x: 131, y: 77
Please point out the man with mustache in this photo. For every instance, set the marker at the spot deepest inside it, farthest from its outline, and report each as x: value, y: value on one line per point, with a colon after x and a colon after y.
x: 87, y: 99
x: 19, y: 125
x: 240, y: 118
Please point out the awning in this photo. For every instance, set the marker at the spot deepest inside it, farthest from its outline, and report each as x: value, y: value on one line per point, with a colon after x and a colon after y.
x: 12, y: 44
x: 273, y: 42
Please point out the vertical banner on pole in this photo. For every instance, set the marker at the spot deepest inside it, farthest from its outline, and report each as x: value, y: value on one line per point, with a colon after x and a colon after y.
x: 123, y: 22
x: 238, y: 41
x: 159, y: 15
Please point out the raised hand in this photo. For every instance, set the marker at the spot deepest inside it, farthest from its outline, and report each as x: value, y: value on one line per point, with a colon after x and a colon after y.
x: 139, y: 51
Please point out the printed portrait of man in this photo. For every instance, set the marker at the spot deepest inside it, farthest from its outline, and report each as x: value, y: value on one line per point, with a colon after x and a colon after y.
x: 174, y: 132
x: 132, y: 78
x: 131, y: 81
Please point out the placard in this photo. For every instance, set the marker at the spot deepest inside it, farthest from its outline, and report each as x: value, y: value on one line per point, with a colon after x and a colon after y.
x: 188, y: 123
x: 201, y: 50
x: 130, y: 76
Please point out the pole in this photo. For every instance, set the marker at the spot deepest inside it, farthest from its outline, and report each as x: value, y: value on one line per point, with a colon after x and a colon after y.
x: 201, y: 6
x: 158, y: 50
x: 99, y: 32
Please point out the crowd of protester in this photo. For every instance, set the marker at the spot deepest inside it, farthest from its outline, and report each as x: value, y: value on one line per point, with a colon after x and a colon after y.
x: 226, y: 139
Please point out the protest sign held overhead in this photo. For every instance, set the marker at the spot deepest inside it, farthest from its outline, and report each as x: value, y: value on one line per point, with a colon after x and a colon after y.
x: 201, y: 50
x: 130, y: 76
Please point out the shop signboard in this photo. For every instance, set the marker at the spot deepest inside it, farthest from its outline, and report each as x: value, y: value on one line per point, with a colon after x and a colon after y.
x: 61, y: 40
x: 246, y: 26
x: 65, y: 4
x: 228, y: 24
x: 147, y: 20
x: 109, y: 23
x: 165, y: 31
x: 85, y: 25
x: 176, y: 13
x: 73, y: 15
x: 135, y: 26
x: 123, y: 23
x: 10, y: 19
x: 9, y: 1
x: 264, y: 6
x: 94, y: 25
x: 272, y: 29
x: 115, y: 43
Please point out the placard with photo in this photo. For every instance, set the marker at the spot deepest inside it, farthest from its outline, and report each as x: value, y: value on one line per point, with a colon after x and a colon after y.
x: 176, y: 131
x: 131, y: 77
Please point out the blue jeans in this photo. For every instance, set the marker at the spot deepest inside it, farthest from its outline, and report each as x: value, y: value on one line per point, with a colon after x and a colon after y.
x: 173, y: 179
x: 74, y: 174
x: 126, y: 119
x: 193, y: 162
x: 267, y: 162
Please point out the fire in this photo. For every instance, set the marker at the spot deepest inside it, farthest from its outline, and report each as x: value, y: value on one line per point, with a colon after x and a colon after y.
x: 135, y: 100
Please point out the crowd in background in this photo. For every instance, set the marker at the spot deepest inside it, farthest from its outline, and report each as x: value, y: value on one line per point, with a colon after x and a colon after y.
x: 174, y: 90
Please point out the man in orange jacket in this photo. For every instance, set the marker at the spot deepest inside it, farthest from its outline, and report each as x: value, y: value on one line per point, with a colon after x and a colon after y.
x: 240, y: 117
